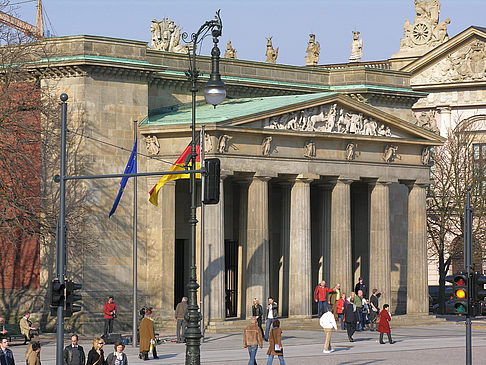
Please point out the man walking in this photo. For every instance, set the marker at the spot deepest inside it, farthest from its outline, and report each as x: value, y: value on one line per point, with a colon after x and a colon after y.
x: 74, y: 354
x: 328, y: 322
x: 359, y: 309
x: 320, y: 296
x: 109, y: 311
x: 180, y: 312
x: 350, y: 318
x: 6, y: 355
x: 374, y: 309
x: 252, y: 339
x: 271, y: 315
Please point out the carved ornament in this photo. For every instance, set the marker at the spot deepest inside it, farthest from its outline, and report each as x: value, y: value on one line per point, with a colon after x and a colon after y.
x: 427, y: 157
x: 351, y: 151
x: 356, y: 48
x: 266, y: 146
x: 230, y: 51
x: 152, y: 145
x: 313, y: 50
x: 166, y: 36
x: 271, y: 53
x: 223, y: 143
x: 310, y: 149
x: 208, y: 143
x: 331, y: 119
x: 390, y: 154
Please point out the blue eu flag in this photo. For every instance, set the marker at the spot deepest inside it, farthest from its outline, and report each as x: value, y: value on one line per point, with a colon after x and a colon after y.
x: 130, y: 169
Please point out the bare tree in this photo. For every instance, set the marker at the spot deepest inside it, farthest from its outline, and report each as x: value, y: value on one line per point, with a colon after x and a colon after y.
x: 454, y: 169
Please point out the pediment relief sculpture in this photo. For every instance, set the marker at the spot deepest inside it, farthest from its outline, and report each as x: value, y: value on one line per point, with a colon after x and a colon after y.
x: 466, y: 64
x: 166, y: 36
x: 310, y: 149
x: 390, y: 154
x: 331, y: 119
x: 351, y: 151
x: 152, y: 145
x: 223, y: 143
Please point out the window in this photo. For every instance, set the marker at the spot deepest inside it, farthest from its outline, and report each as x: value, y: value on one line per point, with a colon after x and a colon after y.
x: 479, y: 156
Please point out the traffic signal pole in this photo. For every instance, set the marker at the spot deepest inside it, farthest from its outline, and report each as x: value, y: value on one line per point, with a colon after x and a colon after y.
x: 469, y: 271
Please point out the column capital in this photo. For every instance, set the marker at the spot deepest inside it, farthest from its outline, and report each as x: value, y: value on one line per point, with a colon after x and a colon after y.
x: 415, y: 184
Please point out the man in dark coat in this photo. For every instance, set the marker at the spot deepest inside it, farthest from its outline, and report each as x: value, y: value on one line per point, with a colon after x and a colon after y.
x: 74, y: 354
x: 350, y: 317
x: 6, y: 355
x: 360, y: 285
x: 271, y: 314
x: 374, y: 309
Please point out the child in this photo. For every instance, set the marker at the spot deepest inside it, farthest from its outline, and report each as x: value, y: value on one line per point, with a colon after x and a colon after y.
x: 341, y: 304
x: 384, y: 324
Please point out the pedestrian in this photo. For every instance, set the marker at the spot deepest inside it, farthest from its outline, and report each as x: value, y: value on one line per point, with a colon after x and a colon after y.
x: 252, y: 339
x: 147, y: 335
x: 271, y: 315
x: 374, y: 309
x: 109, y: 311
x: 6, y: 355
x: 257, y: 312
x: 96, y: 356
x: 341, y: 305
x: 333, y: 299
x: 27, y: 328
x: 384, y: 324
x: 180, y: 312
x: 3, y: 330
x: 328, y: 322
x: 28, y: 350
x: 360, y: 285
x: 118, y: 357
x: 359, y: 310
x: 73, y: 354
x: 351, y: 318
x: 275, y: 347
x: 320, y: 296
x: 33, y: 358
x: 364, y: 310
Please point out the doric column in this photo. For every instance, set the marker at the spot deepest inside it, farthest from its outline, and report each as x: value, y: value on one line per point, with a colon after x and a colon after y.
x: 341, y: 255
x: 257, y: 259
x: 161, y: 251
x: 325, y: 198
x: 300, y: 298
x: 380, y: 252
x: 242, y: 240
x: 214, y: 260
x: 417, y: 286
x: 283, y: 300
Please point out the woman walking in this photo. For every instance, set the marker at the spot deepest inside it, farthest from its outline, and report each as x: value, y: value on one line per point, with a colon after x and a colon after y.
x: 275, y: 347
x: 118, y: 357
x: 384, y: 319
x: 96, y: 355
x: 257, y: 312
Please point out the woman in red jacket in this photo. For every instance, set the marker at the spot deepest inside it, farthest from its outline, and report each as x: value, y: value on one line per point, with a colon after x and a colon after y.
x: 341, y: 304
x: 384, y: 324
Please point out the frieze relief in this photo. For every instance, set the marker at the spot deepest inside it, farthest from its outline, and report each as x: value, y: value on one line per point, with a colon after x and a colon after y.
x: 330, y: 119
x: 152, y: 145
x: 466, y: 64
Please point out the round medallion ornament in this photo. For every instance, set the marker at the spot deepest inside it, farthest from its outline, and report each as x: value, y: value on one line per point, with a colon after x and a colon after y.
x: 421, y: 33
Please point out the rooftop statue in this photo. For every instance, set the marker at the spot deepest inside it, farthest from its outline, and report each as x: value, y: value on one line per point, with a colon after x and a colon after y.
x: 230, y: 51
x: 356, y: 48
x: 426, y: 32
x: 271, y: 53
x: 313, y: 50
x: 166, y: 36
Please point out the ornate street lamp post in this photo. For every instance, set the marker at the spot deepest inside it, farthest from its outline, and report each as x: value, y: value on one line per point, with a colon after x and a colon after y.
x: 214, y: 93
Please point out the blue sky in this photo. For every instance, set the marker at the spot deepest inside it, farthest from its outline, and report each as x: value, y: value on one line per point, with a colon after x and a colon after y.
x: 247, y: 22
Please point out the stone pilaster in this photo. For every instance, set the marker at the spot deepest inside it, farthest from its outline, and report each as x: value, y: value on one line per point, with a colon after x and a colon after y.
x: 300, y: 298
x: 380, y: 251
x: 417, y: 286
x: 214, y: 261
x: 325, y: 197
x: 257, y: 259
x: 341, y: 256
x: 161, y: 248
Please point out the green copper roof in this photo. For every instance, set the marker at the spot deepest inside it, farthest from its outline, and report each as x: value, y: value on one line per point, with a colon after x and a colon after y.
x: 229, y: 109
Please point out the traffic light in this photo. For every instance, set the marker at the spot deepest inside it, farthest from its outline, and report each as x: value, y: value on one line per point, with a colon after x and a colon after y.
x: 212, y: 181
x: 479, y: 293
x: 57, y: 296
x: 71, y: 298
x: 460, y: 292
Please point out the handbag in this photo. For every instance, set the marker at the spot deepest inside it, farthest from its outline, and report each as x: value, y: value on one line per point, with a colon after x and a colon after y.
x: 276, y: 346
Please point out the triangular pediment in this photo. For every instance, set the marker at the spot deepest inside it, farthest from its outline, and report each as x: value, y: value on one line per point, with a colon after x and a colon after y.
x: 327, y: 113
x: 462, y: 59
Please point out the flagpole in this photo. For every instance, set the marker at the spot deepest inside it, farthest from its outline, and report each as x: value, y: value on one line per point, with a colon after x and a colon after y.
x: 201, y: 291
x: 135, y: 244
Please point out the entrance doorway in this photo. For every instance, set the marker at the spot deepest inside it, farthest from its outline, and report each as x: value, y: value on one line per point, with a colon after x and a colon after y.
x: 181, y: 270
x: 231, y: 277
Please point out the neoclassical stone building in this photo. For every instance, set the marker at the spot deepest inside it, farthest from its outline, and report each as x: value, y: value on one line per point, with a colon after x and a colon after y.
x: 324, y: 170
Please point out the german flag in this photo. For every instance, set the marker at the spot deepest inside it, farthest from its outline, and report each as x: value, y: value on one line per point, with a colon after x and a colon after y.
x: 177, y: 166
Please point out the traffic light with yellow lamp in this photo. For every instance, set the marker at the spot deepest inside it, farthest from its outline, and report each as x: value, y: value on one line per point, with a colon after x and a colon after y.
x: 460, y: 292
